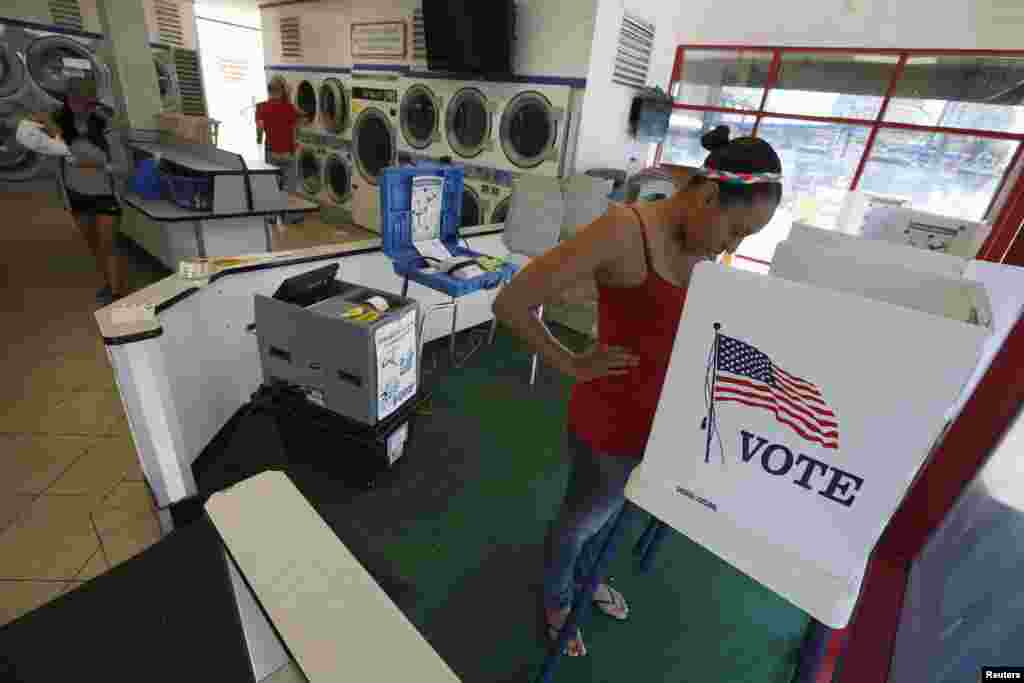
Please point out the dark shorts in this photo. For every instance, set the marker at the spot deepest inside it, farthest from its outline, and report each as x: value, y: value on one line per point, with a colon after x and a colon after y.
x: 96, y: 204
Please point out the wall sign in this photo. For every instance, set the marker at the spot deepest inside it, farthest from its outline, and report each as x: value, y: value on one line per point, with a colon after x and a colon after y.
x: 379, y: 39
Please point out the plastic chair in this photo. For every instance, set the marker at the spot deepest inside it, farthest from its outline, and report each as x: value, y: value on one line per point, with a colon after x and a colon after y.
x: 533, y: 225
x: 586, y: 200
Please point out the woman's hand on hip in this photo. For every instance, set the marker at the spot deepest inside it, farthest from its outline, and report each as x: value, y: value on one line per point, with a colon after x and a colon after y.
x: 603, y: 360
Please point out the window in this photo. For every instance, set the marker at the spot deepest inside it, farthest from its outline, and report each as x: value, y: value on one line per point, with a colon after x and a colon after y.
x: 938, y: 132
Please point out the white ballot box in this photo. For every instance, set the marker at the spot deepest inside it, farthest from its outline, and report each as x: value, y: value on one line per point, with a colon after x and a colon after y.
x: 879, y: 279
x: 785, y: 441
x: 860, y: 249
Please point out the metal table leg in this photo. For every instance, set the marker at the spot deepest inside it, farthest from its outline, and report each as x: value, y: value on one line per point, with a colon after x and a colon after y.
x: 266, y: 233
x: 584, y: 599
x: 200, y: 244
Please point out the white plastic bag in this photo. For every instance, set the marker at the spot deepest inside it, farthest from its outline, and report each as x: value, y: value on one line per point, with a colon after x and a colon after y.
x: 32, y: 135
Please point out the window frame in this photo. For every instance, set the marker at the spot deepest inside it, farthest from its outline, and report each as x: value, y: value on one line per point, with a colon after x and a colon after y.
x: 1005, y: 210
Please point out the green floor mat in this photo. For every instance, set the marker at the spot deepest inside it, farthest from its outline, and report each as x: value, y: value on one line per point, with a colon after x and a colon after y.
x: 477, y: 562
x: 455, y: 534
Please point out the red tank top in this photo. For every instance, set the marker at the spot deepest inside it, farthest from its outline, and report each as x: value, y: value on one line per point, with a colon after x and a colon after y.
x: 614, y: 414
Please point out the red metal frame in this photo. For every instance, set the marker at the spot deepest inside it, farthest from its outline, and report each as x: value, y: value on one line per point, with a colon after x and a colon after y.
x: 1011, y: 214
x: 869, y: 144
x: 868, y: 643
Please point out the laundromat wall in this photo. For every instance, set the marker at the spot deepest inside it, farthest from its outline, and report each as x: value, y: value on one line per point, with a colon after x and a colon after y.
x: 554, y: 39
x: 45, y: 12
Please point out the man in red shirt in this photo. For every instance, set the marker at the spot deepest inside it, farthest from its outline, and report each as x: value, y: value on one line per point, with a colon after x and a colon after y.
x: 279, y: 118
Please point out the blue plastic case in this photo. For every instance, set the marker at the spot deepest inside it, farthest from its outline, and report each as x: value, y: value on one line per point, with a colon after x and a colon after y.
x: 396, y: 211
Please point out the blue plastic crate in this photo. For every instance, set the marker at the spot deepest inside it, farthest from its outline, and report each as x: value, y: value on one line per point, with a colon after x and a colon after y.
x: 146, y: 181
x: 396, y: 211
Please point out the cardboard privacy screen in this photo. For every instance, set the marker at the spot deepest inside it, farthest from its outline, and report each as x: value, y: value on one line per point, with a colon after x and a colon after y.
x: 822, y: 405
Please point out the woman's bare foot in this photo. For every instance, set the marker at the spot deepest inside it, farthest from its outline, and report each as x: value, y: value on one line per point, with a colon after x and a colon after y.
x: 574, y: 647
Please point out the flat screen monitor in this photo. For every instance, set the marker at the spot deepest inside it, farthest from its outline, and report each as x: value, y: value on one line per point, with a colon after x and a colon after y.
x: 469, y: 37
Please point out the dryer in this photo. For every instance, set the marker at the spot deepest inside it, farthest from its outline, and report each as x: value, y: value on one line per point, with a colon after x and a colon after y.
x: 334, y: 105
x: 421, y: 116
x: 309, y: 159
x: 375, y: 124
x: 531, y: 126
x: 336, y: 192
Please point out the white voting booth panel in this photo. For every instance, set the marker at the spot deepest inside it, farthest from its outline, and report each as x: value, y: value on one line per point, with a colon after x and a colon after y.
x: 182, y: 387
x: 802, y: 474
x: 860, y: 249
x: 1005, y: 287
x: 333, y: 618
x: 830, y: 267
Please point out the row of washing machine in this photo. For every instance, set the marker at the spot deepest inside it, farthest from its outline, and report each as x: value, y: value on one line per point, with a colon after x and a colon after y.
x: 329, y: 175
x: 495, y: 129
x: 33, y: 77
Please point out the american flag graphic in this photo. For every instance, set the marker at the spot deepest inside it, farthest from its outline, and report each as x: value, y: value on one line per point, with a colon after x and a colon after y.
x: 745, y: 375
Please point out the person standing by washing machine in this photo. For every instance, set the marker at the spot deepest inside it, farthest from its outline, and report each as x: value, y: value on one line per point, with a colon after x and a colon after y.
x: 279, y: 119
x: 86, y: 127
x: 641, y: 257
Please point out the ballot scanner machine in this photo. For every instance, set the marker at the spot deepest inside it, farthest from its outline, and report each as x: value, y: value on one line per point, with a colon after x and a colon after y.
x: 348, y: 353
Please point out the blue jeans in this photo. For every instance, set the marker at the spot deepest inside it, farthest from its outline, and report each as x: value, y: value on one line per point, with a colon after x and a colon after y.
x: 596, y: 491
x: 289, y: 179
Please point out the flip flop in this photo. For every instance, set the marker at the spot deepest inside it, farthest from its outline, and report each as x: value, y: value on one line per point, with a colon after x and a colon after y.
x: 553, y: 637
x: 616, y: 607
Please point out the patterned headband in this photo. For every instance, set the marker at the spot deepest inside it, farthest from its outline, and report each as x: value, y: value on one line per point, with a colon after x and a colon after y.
x: 740, y: 178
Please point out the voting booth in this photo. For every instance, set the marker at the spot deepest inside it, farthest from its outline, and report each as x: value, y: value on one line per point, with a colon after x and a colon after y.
x: 798, y: 408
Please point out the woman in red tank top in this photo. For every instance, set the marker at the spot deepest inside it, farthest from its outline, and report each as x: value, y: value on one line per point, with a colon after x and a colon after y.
x: 640, y: 257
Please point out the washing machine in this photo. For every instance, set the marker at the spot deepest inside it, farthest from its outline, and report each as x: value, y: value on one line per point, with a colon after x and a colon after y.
x: 500, y: 191
x: 309, y: 158
x: 421, y: 116
x: 336, y: 192
x: 45, y: 55
x: 33, y: 77
x: 14, y: 79
x: 531, y: 126
x: 469, y: 123
x: 167, y: 79
x: 486, y: 195
x: 334, y: 105
x: 375, y: 124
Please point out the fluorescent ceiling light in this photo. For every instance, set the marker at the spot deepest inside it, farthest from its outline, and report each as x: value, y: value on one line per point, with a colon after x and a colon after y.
x: 892, y: 59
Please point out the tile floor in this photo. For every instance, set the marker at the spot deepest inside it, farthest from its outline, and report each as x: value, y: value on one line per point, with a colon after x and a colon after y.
x: 73, y: 500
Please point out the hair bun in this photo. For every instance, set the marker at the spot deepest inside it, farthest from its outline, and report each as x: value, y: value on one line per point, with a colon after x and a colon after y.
x: 715, y: 139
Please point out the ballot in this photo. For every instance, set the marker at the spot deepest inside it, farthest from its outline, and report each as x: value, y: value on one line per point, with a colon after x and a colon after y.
x: 793, y: 420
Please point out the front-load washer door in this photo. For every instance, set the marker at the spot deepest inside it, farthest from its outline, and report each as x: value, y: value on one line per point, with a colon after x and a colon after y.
x: 501, y: 210
x: 305, y: 98
x: 529, y: 130
x: 45, y: 61
x: 420, y: 117
x: 338, y: 178
x: 13, y: 77
x: 334, y: 106
x: 310, y: 171
x: 373, y: 143
x: 468, y: 123
x: 472, y: 207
